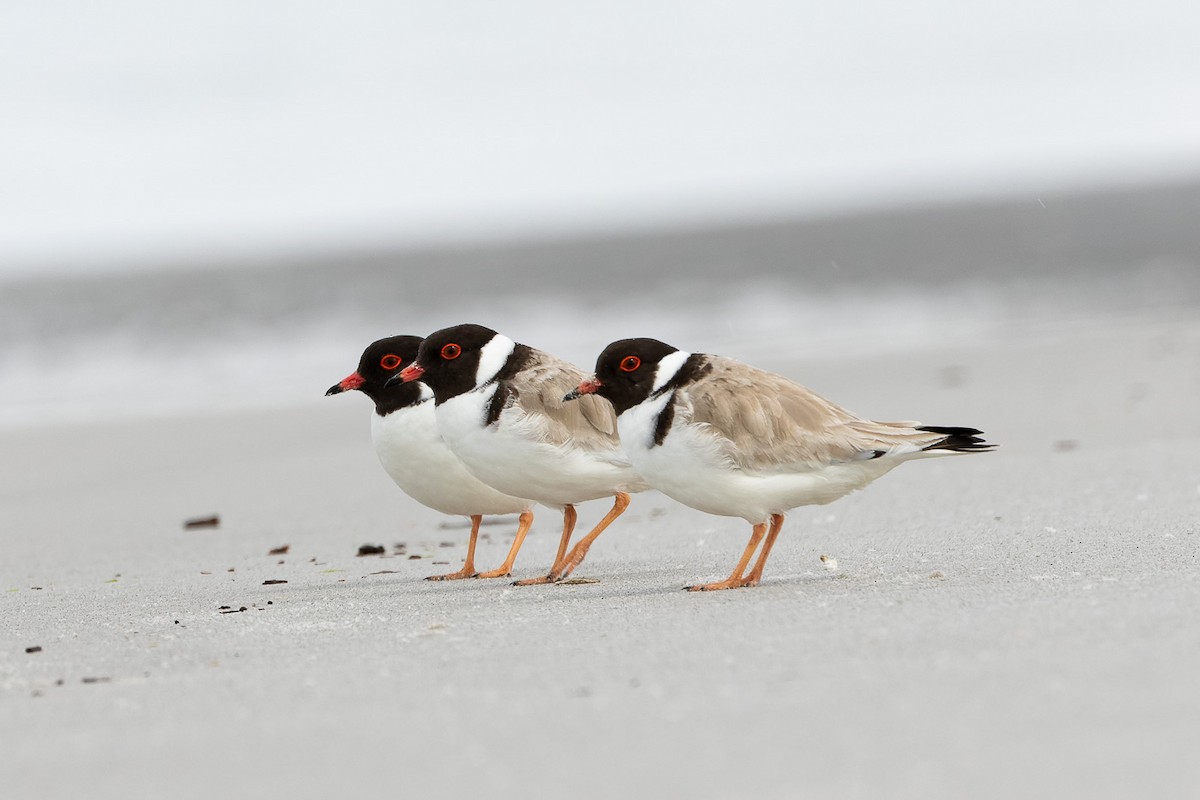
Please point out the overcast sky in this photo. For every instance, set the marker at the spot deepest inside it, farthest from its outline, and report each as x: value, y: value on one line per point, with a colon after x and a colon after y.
x: 161, y: 129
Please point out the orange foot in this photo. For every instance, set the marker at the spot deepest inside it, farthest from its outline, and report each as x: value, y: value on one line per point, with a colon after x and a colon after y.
x: 502, y: 572
x: 728, y: 583
x: 454, y: 576
x: 536, y: 581
x: 738, y: 578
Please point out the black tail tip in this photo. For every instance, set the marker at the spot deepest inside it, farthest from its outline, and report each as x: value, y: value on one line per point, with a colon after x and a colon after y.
x: 963, y: 440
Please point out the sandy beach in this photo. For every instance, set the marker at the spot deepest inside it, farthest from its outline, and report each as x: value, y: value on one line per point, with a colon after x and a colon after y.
x: 1016, y: 624
x: 951, y: 213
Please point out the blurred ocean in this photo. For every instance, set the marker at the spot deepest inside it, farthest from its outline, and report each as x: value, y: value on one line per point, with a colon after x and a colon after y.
x: 219, y: 336
x: 217, y: 205
x: 146, y: 131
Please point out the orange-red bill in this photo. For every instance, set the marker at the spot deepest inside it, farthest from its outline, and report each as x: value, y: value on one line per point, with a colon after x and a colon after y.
x: 590, y: 386
x: 411, y: 373
x: 350, y: 382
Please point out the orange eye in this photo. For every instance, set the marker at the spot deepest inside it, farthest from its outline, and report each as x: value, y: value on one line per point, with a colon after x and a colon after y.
x: 630, y: 363
x: 451, y: 352
x: 390, y: 361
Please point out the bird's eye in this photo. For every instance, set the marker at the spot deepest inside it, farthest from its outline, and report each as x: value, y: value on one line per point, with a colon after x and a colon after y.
x: 451, y: 352
x: 630, y: 363
x: 390, y: 361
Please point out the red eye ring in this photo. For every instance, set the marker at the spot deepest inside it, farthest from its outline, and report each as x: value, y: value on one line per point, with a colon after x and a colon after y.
x: 630, y: 363
x: 451, y: 351
x: 390, y: 361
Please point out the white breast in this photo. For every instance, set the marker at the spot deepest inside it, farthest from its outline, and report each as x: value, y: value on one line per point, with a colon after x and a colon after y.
x: 690, y: 466
x: 413, y: 453
x: 513, y: 456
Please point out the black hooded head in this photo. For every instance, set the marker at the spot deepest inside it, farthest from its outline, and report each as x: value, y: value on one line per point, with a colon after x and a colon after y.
x: 380, y: 361
x: 450, y: 359
x: 626, y: 370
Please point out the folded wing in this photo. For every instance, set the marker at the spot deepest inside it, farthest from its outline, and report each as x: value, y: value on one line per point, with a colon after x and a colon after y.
x: 589, y: 422
x: 766, y: 423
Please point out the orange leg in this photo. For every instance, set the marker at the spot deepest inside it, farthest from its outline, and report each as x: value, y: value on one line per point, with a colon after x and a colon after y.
x: 756, y: 574
x: 468, y: 567
x: 580, y: 550
x: 735, y: 579
x: 569, y: 517
x: 505, y: 569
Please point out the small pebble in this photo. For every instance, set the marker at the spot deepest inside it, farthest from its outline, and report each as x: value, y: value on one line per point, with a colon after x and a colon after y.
x: 197, y: 523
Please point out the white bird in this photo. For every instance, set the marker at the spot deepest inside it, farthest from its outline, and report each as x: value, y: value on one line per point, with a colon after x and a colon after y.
x: 732, y: 440
x: 500, y: 409
x: 405, y: 435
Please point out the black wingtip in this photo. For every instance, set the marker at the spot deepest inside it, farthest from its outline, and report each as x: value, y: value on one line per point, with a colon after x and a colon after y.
x: 962, y: 440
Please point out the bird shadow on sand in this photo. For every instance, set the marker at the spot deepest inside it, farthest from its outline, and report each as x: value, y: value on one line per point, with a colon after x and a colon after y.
x: 616, y: 584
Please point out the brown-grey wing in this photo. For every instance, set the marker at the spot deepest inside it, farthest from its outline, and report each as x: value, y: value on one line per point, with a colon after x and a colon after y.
x: 766, y: 422
x: 589, y: 422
